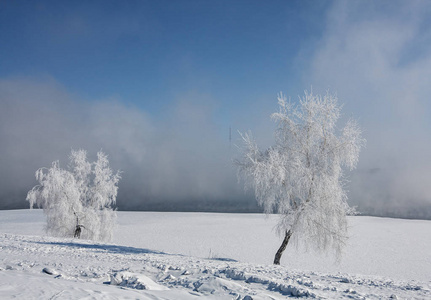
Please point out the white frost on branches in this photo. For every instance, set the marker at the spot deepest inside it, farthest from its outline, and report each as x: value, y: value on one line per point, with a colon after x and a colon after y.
x: 301, y: 176
x: 82, y: 196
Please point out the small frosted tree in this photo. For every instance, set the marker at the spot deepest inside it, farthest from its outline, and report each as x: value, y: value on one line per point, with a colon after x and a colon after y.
x: 79, y: 199
x: 301, y: 176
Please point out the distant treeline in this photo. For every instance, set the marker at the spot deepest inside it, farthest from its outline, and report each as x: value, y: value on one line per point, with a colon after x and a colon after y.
x: 243, y: 205
x: 197, y: 206
x: 421, y: 212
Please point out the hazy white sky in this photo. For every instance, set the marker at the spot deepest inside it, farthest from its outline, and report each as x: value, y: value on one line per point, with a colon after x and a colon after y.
x: 157, y: 84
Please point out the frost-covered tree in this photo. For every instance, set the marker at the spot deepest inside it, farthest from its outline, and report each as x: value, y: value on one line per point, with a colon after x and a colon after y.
x: 78, y: 201
x: 301, y: 176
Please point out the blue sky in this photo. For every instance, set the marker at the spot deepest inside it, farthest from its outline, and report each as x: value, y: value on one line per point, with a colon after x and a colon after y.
x: 157, y: 84
x: 147, y: 52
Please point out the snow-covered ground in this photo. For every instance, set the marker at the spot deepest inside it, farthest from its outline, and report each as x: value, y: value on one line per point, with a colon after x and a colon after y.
x: 214, y: 256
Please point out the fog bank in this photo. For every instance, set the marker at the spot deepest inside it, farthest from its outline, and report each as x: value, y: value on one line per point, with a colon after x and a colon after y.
x: 179, y: 160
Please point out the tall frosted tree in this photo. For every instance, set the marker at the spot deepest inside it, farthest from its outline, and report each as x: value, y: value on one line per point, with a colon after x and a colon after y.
x: 301, y: 176
x: 78, y: 201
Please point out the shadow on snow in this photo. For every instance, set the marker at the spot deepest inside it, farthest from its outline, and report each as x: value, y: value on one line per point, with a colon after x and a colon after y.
x: 119, y: 249
x: 104, y: 248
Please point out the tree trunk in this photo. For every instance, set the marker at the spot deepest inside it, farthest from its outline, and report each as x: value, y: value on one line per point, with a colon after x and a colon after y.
x: 282, y: 247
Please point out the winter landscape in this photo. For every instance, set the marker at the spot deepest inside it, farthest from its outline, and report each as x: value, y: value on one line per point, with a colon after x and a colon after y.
x: 210, y: 256
x: 215, y: 149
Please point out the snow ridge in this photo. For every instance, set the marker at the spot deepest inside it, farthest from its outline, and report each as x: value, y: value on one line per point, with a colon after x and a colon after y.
x: 67, y: 268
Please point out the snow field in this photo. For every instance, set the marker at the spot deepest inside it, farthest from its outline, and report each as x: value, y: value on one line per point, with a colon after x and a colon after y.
x: 137, y: 265
x: 394, y: 248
